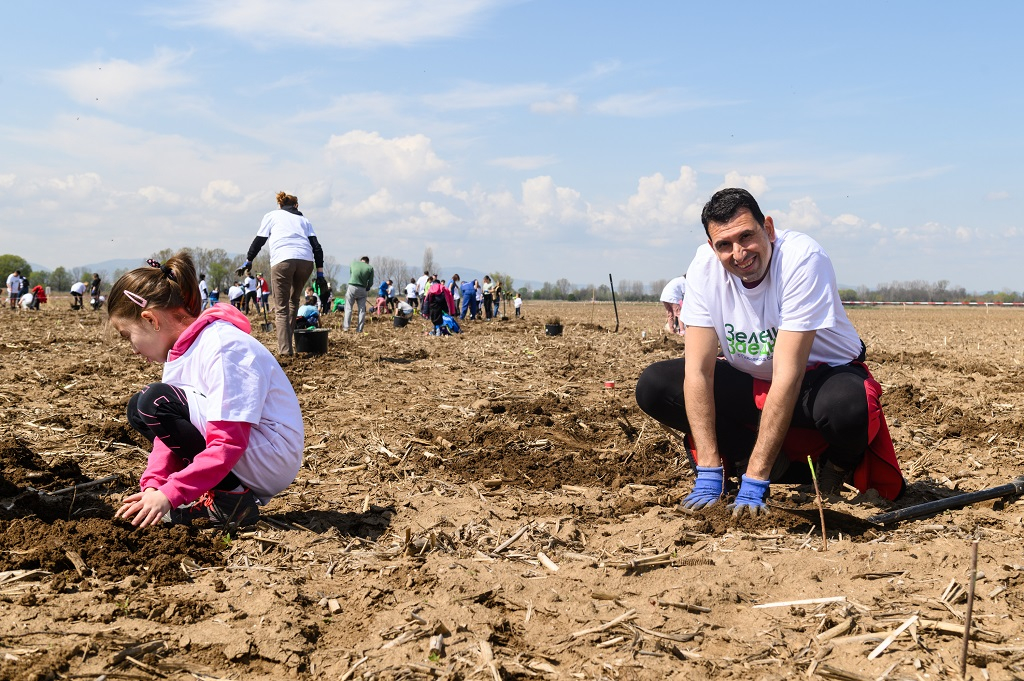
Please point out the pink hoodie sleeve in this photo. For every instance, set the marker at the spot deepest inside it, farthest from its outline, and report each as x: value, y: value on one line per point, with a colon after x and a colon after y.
x: 226, y: 442
x: 161, y: 464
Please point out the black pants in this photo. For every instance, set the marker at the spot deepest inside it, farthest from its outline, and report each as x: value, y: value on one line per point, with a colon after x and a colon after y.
x: 161, y: 411
x: 832, y: 401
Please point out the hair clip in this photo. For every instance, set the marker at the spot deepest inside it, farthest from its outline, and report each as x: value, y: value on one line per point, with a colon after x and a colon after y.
x: 136, y: 298
x: 167, y: 271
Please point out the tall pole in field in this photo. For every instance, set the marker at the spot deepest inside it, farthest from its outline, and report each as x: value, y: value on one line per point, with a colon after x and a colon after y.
x: 614, y: 304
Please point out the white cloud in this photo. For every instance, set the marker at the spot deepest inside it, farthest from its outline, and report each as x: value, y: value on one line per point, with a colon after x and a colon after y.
x: 227, y: 195
x: 155, y: 194
x: 386, y: 161
x: 374, y: 105
x: 997, y: 196
x: 77, y: 186
x: 562, y: 104
x: 650, y: 104
x: 7, y: 180
x: 659, y: 201
x: 603, y: 68
x: 656, y: 214
x: 346, y: 23
x: 523, y: 162
x: 546, y: 205
x: 963, y: 234
x: 803, y: 215
x: 755, y: 184
x: 110, y: 84
x: 488, y: 96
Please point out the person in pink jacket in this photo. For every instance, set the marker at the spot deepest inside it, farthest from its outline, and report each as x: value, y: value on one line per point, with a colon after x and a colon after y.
x: 224, y: 421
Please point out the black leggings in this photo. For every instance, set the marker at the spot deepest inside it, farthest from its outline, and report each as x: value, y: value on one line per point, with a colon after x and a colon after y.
x: 832, y: 401
x: 161, y: 411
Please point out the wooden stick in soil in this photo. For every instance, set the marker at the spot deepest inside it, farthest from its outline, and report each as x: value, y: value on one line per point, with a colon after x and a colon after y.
x: 821, y: 508
x: 516, y: 535
x: 624, y: 617
x: 970, y: 609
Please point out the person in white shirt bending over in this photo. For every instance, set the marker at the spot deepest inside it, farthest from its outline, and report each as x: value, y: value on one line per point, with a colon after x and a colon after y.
x: 672, y: 298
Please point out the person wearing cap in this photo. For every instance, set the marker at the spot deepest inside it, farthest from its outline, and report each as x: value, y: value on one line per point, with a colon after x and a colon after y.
x: 790, y: 382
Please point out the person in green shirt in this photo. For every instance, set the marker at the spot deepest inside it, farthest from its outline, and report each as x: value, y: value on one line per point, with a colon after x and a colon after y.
x: 360, y: 280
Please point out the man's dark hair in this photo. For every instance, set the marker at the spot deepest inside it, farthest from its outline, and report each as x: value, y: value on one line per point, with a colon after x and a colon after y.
x: 724, y: 205
x: 365, y: 259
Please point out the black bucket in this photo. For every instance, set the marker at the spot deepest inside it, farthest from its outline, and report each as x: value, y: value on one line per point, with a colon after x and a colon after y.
x: 312, y: 341
x: 400, y: 321
x: 552, y: 329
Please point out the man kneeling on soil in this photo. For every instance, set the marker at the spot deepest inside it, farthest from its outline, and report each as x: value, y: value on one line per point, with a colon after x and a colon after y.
x: 790, y: 381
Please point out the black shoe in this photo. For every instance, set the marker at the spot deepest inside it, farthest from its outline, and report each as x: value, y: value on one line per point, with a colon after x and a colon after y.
x: 219, y: 508
x: 831, y: 478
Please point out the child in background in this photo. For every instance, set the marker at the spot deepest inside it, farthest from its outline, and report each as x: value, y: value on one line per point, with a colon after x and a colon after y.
x: 308, y: 315
x: 225, y: 424
x: 518, y: 302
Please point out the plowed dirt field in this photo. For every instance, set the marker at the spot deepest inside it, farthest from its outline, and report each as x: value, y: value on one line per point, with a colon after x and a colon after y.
x: 483, y: 506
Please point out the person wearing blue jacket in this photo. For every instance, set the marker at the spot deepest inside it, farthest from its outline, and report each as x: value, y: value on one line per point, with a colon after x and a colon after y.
x: 469, y: 301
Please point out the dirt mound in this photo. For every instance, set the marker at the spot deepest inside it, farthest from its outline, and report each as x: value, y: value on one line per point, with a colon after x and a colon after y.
x: 96, y: 547
x: 72, y: 531
x: 22, y: 470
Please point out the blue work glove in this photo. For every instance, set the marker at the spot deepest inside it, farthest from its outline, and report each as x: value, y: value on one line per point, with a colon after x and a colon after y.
x: 243, y: 268
x: 708, y: 488
x: 751, y: 498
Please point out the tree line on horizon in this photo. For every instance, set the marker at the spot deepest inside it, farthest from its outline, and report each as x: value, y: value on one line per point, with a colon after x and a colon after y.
x: 219, y: 267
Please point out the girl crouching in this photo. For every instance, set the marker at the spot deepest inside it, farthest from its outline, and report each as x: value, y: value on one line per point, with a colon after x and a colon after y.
x: 224, y: 421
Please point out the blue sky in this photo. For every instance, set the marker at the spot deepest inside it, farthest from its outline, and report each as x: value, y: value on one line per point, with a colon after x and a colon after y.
x: 545, y: 139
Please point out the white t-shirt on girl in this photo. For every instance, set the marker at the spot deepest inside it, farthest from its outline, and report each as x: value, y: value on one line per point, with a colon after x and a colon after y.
x: 242, y: 381
x: 799, y: 293
x: 410, y: 290
x: 287, y: 236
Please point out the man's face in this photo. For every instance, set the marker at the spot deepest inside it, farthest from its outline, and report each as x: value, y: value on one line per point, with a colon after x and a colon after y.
x: 743, y: 246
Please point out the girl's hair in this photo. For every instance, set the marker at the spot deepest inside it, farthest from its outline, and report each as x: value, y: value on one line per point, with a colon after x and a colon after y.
x: 285, y: 199
x: 171, y: 285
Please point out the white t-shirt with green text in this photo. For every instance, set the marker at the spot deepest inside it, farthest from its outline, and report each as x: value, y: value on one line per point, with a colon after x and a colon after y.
x: 799, y: 293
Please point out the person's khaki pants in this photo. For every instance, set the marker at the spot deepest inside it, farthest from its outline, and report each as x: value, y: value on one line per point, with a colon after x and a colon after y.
x: 287, y: 279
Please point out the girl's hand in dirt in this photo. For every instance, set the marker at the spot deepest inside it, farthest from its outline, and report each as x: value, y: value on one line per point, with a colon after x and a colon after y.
x: 148, y: 507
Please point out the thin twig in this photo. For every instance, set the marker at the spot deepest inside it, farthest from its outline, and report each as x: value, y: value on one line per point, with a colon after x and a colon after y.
x: 624, y: 617
x: 821, y: 507
x: 970, y: 609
